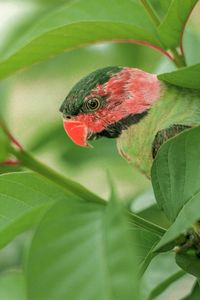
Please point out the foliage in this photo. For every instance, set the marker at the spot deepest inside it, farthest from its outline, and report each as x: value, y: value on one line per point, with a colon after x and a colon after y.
x: 188, y: 77
x: 172, y: 190
x: 65, y: 237
x: 85, y: 247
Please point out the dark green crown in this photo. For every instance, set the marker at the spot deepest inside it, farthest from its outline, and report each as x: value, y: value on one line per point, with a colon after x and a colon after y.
x: 81, y: 89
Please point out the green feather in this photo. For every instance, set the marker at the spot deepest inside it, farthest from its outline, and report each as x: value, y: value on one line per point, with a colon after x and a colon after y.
x: 176, y: 106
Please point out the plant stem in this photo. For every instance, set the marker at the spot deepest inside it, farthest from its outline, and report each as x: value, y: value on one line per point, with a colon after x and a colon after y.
x: 71, y: 186
x: 145, y: 263
x: 178, y: 59
x: 143, y: 223
x: 10, y: 136
x: 151, y: 12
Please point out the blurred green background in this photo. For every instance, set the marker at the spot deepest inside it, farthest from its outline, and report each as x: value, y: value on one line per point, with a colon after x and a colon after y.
x: 30, y: 103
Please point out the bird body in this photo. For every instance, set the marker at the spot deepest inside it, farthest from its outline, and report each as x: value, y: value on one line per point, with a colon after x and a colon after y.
x: 132, y: 106
x: 176, y: 106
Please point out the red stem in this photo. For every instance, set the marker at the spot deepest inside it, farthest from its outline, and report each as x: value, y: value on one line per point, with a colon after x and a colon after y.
x: 11, y: 137
x: 138, y: 42
x: 10, y: 162
x: 167, y: 54
x: 14, y: 141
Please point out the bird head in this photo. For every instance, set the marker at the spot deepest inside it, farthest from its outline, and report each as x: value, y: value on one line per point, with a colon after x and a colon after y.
x: 107, y: 101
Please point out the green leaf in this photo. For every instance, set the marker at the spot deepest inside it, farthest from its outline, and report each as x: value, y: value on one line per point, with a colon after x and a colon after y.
x: 188, y: 77
x: 84, y: 251
x: 176, y: 172
x: 175, y: 179
x: 77, y: 24
x: 6, y: 168
x: 189, y: 262
x: 145, y: 241
x: 161, y: 7
x: 147, y: 235
x: 50, y: 2
x: 4, y: 145
x: 24, y: 197
x: 12, y: 286
x: 172, y: 27
x: 186, y: 218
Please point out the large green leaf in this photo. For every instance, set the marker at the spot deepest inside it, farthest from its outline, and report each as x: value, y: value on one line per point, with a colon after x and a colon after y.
x: 186, y: 218
x: 144, y: 244
x: 175, y: 178
x: 188, y: 77
x: 73, y: 25
x: 84, y: 251
x: 161, y: 7
x: 176, y: 172
x: 24, y: 197
x: 49, y: 32
x: 171, y: 28
x: 50, y: 2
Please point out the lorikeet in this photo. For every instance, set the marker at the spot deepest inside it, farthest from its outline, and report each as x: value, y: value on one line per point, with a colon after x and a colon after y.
x: 131, y: 105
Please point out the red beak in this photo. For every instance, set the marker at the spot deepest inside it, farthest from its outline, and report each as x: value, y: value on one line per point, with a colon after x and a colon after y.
x: 77, y: 131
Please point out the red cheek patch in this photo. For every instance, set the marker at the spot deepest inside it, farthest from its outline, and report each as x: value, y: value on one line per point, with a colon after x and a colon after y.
x: 77, y: 131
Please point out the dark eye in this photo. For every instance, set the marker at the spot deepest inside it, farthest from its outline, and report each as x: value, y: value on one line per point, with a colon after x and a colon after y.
x: 93, y: 104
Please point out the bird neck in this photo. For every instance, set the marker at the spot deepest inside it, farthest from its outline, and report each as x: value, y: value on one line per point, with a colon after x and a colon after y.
x: 135, y: 89
x: 175, y: 106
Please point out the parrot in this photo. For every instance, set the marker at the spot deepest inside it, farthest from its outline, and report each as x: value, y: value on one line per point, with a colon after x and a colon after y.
x: 133, y: 106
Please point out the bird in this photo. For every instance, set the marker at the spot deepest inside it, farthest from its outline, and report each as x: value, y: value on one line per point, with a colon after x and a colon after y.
x: 133, y: 106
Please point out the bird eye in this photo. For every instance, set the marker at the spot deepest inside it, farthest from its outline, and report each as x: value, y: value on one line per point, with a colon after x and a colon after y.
x: 93, y: 104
